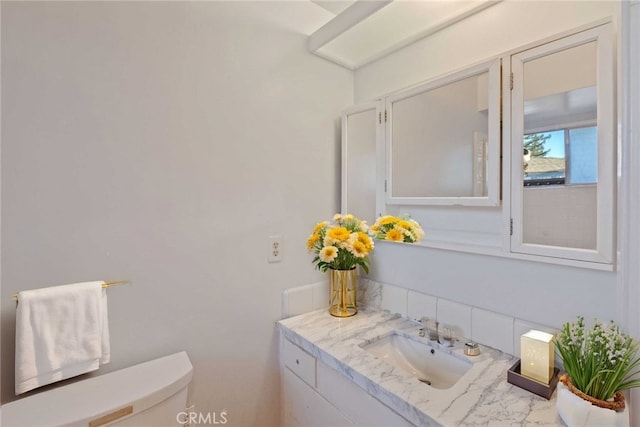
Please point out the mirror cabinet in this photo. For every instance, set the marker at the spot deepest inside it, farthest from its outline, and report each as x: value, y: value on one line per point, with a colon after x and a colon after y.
x: 528, y: 137
x: 361, y: 164
x: 562, y: 137
x: 443, y: 140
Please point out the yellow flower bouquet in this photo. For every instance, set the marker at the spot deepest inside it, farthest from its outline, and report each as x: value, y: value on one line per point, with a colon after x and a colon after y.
x: 341, y: 244
x: 397, y: 229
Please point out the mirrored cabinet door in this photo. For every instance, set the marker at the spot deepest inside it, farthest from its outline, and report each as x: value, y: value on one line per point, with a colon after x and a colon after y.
x: 563, y: 148
x: 443, y: 140
x: 361, y: 176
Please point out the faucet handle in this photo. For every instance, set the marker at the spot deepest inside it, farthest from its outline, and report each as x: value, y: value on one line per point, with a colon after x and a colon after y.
x: 423, y: 323
x: 429, y: 323
x: 448, y: 335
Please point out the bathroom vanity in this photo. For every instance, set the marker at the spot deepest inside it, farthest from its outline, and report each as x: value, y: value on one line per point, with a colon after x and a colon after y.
x: 332, y: 377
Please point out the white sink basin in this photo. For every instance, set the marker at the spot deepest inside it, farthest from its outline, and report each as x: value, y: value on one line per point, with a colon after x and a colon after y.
x: 427, y: 363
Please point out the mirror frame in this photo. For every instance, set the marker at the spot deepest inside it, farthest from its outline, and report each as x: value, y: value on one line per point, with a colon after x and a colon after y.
x: 493, y: 166
x: 376, y: 107
x: 604, y: 252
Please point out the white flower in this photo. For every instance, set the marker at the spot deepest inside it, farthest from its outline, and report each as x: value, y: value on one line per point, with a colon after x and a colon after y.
x: 328, y: 253
x: 329, y: 241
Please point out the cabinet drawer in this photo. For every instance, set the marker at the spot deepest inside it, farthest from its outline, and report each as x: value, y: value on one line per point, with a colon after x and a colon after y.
x: 300, y: 362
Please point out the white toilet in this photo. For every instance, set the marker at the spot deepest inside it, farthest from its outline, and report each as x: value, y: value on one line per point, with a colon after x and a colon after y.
x: 150, y: 394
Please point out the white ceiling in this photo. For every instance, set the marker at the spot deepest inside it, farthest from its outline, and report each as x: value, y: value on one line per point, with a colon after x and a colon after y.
x: 559, y: 109
x: 334, y: 6
x: 365, y: 30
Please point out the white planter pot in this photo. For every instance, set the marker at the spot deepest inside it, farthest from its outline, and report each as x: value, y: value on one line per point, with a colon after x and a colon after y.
x: 577, y: 412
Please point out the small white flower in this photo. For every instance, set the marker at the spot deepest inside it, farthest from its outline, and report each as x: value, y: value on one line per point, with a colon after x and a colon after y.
x: 328, y: 253
x: 328, y: 241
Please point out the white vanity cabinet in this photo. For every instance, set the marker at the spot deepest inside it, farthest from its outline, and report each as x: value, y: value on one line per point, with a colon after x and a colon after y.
x: 315, y: 394
x: 302, y: 404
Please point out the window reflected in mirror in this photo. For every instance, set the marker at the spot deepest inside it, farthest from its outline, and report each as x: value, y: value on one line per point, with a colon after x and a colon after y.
x: 560, y: 148
x: 561, y: 157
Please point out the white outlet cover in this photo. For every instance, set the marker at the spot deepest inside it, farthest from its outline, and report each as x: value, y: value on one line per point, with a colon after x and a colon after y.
x: 274, y: 250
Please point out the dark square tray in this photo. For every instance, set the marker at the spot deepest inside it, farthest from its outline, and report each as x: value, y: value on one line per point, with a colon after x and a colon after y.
x: 544, y: 390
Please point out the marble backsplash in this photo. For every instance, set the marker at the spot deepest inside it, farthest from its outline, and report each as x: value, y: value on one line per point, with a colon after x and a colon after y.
x: 467, y: 322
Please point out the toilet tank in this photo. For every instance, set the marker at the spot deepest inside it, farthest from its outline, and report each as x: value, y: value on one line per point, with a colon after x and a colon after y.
x: 150, y: 394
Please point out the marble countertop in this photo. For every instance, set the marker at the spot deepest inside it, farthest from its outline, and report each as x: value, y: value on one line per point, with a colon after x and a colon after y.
x: 482, y: 396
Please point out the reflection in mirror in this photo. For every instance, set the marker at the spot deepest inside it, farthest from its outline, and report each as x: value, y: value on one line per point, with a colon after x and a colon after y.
x: 436, y: 137
x: 443, y: 140
x: 564, y: 156
x: 359, y: 162
x: 560, y: 148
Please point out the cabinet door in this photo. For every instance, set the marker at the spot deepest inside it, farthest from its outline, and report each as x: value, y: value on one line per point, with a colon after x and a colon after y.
x: 443, y: 140
x: 362, y: 160
x: 304, y: 407
x: 563, y: 145
x: 362, y: 408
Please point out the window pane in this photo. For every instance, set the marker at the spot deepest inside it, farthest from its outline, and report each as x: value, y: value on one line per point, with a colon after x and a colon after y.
x: 544, y: 158
x: 583, y: 155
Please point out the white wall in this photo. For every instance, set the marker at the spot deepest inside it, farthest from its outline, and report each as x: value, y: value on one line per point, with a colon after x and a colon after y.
x: 163, y: 142
x: 577, y: 227
x: 540, y: 293
x: 629, y: 277
x: 546, y: 294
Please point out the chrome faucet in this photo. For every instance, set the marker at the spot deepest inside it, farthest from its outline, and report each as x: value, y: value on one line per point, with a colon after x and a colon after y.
x: 434, y: 334
x: 445, y: 337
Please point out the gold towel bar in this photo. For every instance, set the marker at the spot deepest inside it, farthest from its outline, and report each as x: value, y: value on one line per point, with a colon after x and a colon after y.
x: 104, y: 285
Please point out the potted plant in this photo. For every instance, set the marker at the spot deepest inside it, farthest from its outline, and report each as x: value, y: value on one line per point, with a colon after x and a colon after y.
x: 599, y: 363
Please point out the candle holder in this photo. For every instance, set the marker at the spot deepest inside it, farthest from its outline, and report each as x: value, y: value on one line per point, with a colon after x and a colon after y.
x: 536, y: 355
x: 535, y: 372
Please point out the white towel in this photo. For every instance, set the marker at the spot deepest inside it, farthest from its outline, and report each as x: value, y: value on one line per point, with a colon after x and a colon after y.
x: 61, y: 332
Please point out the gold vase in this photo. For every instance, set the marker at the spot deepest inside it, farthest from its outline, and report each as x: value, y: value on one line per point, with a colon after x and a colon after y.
x: 342, y: 299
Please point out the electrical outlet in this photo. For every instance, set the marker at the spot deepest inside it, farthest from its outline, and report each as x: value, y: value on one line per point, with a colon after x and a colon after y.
x: 275, y: 249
